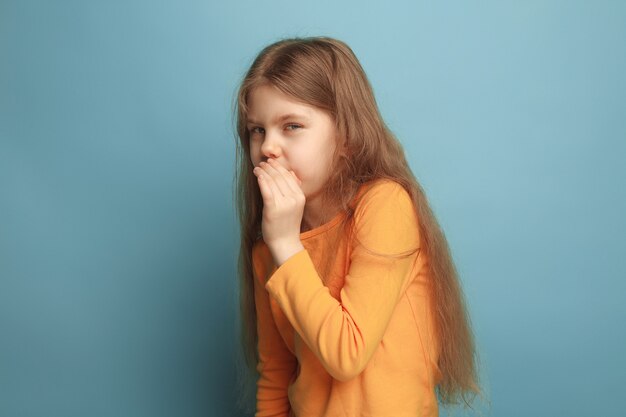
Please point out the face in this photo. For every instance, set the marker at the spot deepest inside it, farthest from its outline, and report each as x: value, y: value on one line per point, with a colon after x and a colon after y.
x: 298, y: 136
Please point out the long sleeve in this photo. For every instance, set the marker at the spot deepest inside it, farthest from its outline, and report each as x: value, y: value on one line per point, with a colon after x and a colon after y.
x: 345, y: 334
x: 276, y: 363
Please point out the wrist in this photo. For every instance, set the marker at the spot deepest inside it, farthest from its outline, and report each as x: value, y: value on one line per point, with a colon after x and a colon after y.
x: 283, y: 250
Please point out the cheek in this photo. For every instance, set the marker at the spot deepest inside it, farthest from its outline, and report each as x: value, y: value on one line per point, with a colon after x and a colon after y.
x: 255, y: 154
x: 303, y: 167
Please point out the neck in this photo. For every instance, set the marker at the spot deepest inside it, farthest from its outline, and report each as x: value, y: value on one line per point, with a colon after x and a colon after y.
x: 315, y: 215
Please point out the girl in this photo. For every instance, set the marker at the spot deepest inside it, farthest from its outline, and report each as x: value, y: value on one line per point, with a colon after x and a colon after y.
x: 350, y: 300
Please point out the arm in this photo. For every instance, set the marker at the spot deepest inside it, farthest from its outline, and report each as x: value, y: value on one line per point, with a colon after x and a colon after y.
x: 344, y: 335
x: 276, y: 363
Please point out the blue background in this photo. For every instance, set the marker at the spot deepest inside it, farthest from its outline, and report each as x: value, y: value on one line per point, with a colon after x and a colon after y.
x: 117, y: 228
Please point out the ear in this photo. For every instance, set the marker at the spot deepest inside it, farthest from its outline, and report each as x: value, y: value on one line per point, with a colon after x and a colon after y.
x: 342, y: 147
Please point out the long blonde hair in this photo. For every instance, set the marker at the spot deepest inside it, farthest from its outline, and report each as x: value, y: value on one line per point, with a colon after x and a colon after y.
x: 324, y: 72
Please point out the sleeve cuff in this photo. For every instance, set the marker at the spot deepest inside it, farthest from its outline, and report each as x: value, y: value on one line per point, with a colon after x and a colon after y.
x: 295, y: 275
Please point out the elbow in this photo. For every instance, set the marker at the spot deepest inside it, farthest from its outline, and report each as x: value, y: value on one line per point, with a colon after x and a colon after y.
x: 344, y: 375
x: 345, y: 368
x: 346, y: 356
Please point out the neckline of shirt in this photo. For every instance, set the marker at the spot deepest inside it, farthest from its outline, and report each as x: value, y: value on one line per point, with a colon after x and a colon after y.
x: 323, y: 227
x: 338, y: 217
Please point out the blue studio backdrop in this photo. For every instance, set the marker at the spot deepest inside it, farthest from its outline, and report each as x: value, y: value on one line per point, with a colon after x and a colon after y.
x: 118, y: 235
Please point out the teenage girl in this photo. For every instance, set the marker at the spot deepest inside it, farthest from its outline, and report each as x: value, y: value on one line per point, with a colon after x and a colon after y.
x: 350, y: 301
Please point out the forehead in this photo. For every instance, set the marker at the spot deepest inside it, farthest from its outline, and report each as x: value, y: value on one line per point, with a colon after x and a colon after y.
x: 268, y: 104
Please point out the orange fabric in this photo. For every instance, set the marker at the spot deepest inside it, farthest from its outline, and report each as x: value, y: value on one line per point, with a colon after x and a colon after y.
x: 357, y: 339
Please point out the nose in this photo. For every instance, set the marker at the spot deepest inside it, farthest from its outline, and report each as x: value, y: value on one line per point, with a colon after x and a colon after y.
x: 270, y: 147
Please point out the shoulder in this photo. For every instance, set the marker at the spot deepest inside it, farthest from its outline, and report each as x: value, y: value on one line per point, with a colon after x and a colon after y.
x: 383, y: 194
x: 385, y: 217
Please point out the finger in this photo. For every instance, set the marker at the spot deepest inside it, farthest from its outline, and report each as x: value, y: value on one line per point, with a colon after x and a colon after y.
x: 279, y: 175
x: 266, y: 191
x: 293, y: 181
x: 271, y: 182
x: 289, y: 178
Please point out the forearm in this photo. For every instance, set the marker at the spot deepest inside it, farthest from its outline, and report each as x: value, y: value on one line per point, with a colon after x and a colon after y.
x: 343, y: 335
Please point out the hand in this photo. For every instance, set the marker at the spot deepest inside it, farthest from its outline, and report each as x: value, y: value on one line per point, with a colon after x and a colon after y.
x: 283, y: 206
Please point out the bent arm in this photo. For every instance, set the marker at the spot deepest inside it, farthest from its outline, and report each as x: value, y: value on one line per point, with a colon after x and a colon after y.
x: 344, y: 335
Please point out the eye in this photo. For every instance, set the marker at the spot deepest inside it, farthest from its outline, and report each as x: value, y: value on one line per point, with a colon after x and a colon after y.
x: 260, y: 130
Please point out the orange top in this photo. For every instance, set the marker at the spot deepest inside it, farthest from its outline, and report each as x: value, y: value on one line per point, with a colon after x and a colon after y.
x: 358, y: 339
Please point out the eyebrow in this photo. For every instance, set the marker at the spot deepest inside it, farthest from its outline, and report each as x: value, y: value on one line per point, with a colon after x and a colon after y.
x: 283, y: 117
